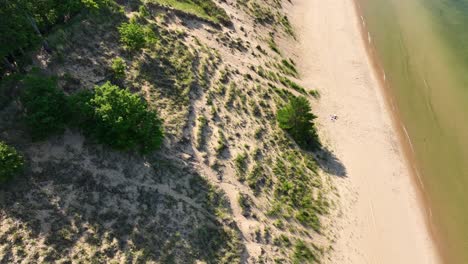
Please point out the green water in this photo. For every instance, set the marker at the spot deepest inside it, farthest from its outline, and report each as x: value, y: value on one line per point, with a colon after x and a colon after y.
x: 423, y: 48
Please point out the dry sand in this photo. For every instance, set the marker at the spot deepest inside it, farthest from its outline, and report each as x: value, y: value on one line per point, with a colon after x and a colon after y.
x: 382, y: 218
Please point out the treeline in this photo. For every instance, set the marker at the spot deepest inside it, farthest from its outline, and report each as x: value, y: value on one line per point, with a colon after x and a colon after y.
x: 24, y: 23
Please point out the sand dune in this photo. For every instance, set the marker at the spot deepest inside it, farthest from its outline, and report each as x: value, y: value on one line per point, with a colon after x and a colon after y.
x: 382, y: 219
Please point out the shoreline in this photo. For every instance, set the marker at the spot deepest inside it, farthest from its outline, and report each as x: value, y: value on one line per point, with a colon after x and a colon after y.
x: 373, y: 227
x: 403, y: 137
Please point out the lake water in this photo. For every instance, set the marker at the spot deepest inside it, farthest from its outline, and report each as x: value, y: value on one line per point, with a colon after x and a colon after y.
x: 422, y: 46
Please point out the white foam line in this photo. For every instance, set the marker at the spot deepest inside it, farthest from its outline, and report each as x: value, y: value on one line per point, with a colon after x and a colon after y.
x: 407, y: 136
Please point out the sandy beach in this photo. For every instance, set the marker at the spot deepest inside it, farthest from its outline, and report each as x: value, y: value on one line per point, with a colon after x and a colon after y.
x: 382, y: 218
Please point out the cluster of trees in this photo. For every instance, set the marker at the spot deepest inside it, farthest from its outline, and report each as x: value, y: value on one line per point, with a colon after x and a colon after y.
x: 109, y: 114
x: 24, y: 22
x: 297, y: 119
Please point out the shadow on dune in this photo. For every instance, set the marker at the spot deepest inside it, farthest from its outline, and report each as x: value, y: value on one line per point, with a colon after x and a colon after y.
x: 329, y: 162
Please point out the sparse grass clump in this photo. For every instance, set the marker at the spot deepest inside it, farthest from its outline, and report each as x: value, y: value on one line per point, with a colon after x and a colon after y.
x: 240, y: 164
x: 288, y: 68
x: 11, y: 162
x: 200, y: 139
x: 245, y: 203
x: 287, y: 26
x: 302, y: 254
x: 291, y: 84
x: 272, y: 45
x: 256, y: 178
x: 222, y: 144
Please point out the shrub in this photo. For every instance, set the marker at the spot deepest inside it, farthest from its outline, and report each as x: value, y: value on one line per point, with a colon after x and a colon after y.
x: 132, y: 35
x: 118, y: 68
x: 124, y: 121
x: 297, y: 119
x: 11, y: 162
x: 46, y: 110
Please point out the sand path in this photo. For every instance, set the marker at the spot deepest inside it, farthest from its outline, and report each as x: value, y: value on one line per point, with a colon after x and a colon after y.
x: 382, y: 219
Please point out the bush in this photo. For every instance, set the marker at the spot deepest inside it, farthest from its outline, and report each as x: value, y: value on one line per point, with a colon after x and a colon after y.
x: 132, y: 35
x: 123, y: 121
x: 297, y: 119
x: 118, y: 68
x: 46, y: 110
x: 11, y: 162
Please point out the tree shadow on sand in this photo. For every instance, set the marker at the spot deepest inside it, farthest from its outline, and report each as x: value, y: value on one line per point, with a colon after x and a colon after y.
x: 329, y: 162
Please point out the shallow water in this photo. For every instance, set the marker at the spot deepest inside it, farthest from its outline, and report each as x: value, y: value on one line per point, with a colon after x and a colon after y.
x: 422, y: 46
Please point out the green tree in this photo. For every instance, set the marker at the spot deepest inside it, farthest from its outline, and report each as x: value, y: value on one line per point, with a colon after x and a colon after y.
x: 124, y: 121
x: 297, y: 119
x: 11, y: 162
x: 132, y: 35
x: 46, y: 110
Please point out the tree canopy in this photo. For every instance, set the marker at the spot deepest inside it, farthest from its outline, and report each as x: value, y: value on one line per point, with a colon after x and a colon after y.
x: 123, y: 120
x: 297, y: 119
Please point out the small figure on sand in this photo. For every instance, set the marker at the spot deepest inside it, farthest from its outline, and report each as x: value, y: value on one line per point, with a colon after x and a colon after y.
x: 333, y: 118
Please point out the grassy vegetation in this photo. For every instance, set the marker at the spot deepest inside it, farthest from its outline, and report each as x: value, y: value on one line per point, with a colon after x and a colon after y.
x: 206, y: 9
x: 296, y: 180
x: 245, y: 203
x: 240, y: 164
x: 302, y: 254
x: 293, y: 85
x: 201, y: 127
x: 272, y: 44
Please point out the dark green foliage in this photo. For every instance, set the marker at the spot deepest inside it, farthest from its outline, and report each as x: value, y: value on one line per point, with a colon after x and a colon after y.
x: 46, y: 110
x: 7, y: 85
x: 81, y: 110
x: 303, y: 254
x: 24, y: 22
x: 132, y: 35
x: 123, y: 121
x: 297, y: 119
x: 11, y: 162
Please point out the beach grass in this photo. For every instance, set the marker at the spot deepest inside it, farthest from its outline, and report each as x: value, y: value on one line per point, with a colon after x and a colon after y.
x: 206, y: 9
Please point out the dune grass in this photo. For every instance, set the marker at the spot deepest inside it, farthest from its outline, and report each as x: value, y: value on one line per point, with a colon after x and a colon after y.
x: 206, y: 9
